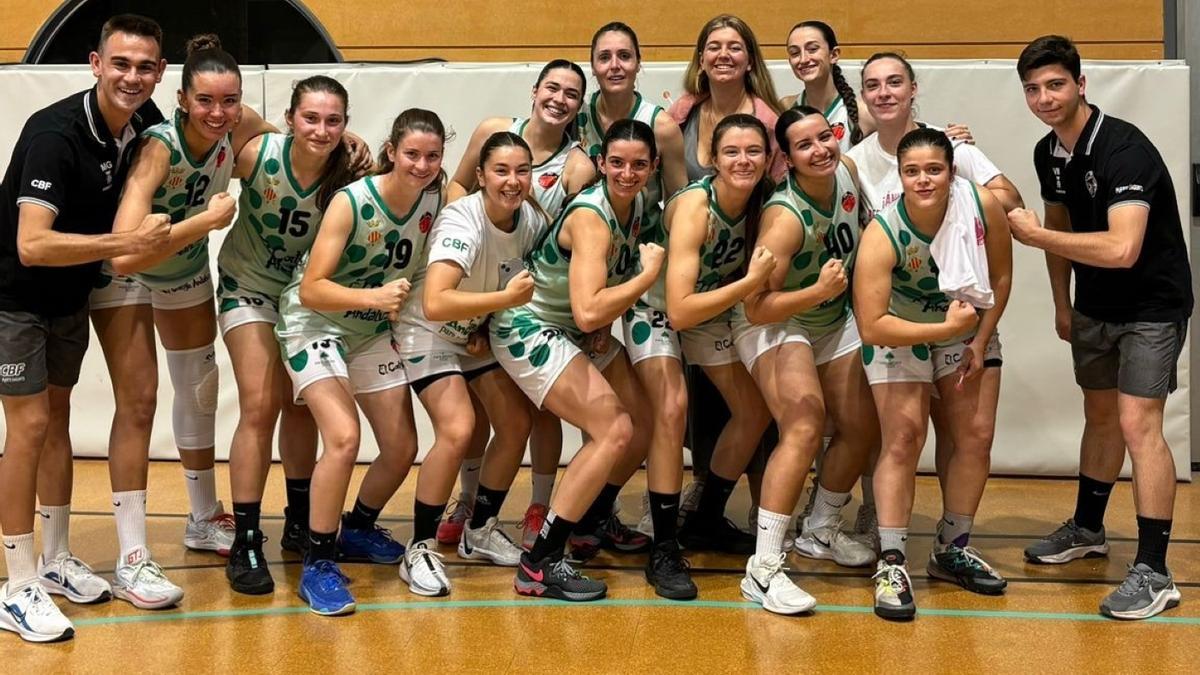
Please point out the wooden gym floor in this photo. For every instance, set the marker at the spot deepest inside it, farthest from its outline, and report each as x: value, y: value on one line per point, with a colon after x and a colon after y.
x: 1047, y: 621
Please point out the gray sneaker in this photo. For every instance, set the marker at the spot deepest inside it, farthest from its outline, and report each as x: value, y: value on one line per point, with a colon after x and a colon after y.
x: 866, y: 527
x: 1143, y: 594
x: 1066, y: 544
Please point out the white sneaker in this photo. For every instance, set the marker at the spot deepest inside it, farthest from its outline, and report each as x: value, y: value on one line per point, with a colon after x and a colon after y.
x: 215, y: 533
x: 423, y: 570
x: 831, y: 543
x: 140, y: 581
x: 29, y: 612
x: 689, y: 500
x: 646, y: 524
x: 489, y: 543
x: 767, y: 583
x: 69, y: 576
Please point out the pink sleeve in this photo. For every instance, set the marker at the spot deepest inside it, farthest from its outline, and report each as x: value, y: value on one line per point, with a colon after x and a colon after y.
x: 764, y: 113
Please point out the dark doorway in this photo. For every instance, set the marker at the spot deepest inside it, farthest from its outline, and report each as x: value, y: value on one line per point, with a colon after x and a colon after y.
x: 255, y: 32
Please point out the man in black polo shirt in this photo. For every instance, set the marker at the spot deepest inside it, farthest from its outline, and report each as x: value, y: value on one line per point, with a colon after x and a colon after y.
x: 1112, y: 218
x: 57, y: 204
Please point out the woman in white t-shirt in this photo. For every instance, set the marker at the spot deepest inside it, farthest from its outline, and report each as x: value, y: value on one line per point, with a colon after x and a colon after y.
x: 474, y: 268
x: 889, y: 88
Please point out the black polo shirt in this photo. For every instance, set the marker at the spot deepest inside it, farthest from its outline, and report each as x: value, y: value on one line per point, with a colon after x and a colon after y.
x: 66, y: 160
x: 1115, y: 164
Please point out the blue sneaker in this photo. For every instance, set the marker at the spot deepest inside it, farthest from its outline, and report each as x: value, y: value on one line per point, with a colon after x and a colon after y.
x: 323, y: 587
x: 370, y: 545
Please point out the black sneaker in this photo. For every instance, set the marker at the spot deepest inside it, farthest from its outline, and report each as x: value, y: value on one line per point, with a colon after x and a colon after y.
x: 617, y: 536
x: 553, y: 577
x: 667, y: 572
x: 295, y: 535
x: 247, y: 567
x: 719, y: 535
x: 964, y: 566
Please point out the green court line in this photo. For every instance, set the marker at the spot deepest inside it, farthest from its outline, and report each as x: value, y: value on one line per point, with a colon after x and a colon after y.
x: 634, y: 603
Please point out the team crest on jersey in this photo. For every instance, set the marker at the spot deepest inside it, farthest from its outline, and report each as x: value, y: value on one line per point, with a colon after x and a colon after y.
x: 426, y: 222
x: 849, y: 202
x: 914, y: 261
x: 547, y: 180
x: 220, y: 157
x: 637, y: 227
x: 374, y: 237
x: 175, y: 178
x: 1089, y: 179
x: 839, y: 130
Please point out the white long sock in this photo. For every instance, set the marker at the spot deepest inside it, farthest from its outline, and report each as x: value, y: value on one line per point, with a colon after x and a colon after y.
x: 22, y: 561
x: 543, y: 486
x: 468, y: 478
x: 56, y: 527
x: 827, y: 506
x: 772, y: 528
x: 130, y: 510
x: 202, y: 492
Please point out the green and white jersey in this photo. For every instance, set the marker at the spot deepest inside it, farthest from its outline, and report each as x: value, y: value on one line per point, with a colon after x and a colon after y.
x: 382, y: 247
x: 548, y: 188
x: 550, y: 265
x: 839, y: 119
x: 721, y: 255
x: 915, y: 293
x: 591, y: 136
x: 189, y: 184
x: 488, y: 256
x: 276, y: 224
x: 827, y: 235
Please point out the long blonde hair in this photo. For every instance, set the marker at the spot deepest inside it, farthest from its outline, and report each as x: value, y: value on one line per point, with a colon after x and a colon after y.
x: 758, y: 80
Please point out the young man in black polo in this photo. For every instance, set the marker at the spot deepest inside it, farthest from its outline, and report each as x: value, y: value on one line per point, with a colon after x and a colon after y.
x: 1112, y: 218
x: 57, y: 203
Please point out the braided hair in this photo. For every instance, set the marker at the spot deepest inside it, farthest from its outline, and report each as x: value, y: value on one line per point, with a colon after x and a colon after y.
x: 845, y: 91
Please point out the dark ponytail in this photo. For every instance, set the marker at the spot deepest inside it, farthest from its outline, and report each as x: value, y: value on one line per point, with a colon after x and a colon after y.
x: 762, y: 189
x: 409, y: 121
x: 337, y: 173
x: 204, y: 55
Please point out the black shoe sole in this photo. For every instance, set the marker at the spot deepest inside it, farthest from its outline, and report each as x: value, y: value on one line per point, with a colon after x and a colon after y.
x: 259, y: 588
x: 966, y: 585
x: 895, y: 615
x: 673, y: 593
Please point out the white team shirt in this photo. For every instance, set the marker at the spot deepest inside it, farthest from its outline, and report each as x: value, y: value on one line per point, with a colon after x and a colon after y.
x: 879, y: 173
x: 488, y: 256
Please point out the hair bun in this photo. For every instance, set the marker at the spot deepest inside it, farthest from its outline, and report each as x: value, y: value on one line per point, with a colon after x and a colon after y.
x: 203, y: 41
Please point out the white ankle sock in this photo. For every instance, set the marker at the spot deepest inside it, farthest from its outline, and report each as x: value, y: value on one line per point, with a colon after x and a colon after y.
x: 21, y: 560
x: 543, y: 486
x: 202, y: 492
x: 827, y: 506
x: 56, y: 522
x: 130, y: 510
x: 772, y: 528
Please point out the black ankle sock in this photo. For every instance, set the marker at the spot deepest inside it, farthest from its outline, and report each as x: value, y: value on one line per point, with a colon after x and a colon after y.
x: 487, y: 505
x: 1153, y: 536
x: 425, y: 519
x: 1091, y: 502
x: 321, y: 546
x: 714, y: 497
x: 664, y: 512
x: 892, y: 556
x: 246, y: 516
x: 600, y: 509
x: 553, y: 537
x: 361, y: 517
x: 297, y: 498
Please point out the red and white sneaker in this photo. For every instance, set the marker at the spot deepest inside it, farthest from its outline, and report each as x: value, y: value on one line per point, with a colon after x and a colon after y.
x: 450, y: 530
x: 531, y: 524
x: 214, y: 533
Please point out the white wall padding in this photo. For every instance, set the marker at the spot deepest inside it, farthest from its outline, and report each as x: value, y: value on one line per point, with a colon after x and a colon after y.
x: 1041, y: 409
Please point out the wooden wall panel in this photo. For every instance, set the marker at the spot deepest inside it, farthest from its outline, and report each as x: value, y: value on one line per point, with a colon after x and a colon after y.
x: 529, y: 30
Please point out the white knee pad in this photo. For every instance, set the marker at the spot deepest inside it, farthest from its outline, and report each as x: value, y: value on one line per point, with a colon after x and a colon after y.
x: 194, y: 413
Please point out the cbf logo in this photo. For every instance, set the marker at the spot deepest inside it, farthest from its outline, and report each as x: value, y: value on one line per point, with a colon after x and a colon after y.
x: 10, y: 372
x: 1089, y: 179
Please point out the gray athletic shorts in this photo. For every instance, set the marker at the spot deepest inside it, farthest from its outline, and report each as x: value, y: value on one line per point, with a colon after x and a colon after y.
x: 37, y: 350
x: 1136, y: 358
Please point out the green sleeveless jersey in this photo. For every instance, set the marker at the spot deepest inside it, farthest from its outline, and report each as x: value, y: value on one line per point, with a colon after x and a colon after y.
x: 189, y: 184
x: 277, y: 222
x: 550, y: 264
x: 915, y: 295
x: 382, y: 247
x: 721, y: 255
x: 827, y: 235
x: 548, y: 188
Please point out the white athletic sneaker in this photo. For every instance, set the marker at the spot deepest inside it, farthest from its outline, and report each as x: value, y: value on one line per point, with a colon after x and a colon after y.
x: 69, y: 576
x: 689, y: 500
x: 215, y: 533
x: 140, y: 580
x: 29, y: 612
x: 646, y: 524
x: 489, y: 543
x: 767, y: 583
x: 831, y: 543
x: 423, y: 570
